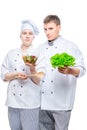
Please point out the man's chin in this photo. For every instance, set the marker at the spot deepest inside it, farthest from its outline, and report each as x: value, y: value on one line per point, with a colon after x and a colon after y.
x: 50, y: 39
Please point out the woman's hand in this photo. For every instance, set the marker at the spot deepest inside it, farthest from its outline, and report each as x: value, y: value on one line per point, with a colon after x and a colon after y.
x: 21, y: 76
x: 32, y: 67
x: 35, y: 79
x: 17, y: 75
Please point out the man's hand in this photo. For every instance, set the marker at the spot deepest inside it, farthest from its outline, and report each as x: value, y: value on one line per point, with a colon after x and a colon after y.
x: 64, y: 70
x: 68, y: 70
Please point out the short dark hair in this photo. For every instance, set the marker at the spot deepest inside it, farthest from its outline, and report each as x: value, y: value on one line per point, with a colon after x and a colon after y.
x: 53, y: 18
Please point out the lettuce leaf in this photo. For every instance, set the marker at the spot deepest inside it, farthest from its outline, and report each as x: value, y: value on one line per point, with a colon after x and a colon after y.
x: 61, y: 60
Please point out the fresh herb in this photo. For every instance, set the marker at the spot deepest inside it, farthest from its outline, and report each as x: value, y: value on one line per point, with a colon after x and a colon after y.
x: 61, y: 60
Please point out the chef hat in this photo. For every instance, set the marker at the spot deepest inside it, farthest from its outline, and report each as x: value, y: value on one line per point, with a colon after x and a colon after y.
x: 28, y: 24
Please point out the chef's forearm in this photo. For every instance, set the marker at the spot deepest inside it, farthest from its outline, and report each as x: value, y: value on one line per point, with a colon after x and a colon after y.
x: 74, y: 71
x: 36, y: 79
x: 10, y: 76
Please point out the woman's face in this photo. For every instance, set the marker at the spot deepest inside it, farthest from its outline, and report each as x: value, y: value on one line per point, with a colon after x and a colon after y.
x: 27, y: 36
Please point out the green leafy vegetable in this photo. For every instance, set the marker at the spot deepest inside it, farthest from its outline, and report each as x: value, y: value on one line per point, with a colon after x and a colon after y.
x: 61, y: 60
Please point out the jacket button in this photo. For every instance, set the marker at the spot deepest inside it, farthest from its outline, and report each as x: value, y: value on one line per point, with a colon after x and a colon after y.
x: 17, y: 54
x: 14, y: 94
x: 14, y: 85
x: 15, y: 69
x: 52, y: 69
x: 43, y: 81
x: 23, y: 69
x: 51, y: 81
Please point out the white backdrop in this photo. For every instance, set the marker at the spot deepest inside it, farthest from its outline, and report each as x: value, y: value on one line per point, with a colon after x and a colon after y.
x: 74, y: 27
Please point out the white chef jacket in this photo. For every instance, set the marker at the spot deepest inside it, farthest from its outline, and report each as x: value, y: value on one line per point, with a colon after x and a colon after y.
x: 21, y: 93
x: 58, y: 90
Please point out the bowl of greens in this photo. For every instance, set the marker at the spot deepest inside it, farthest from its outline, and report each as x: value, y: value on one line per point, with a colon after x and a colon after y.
x: 30, y: 59
x: 62, y: 60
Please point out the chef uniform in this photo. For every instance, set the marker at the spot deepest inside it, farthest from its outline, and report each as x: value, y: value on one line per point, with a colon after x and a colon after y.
x: 23, y: 96
x: 58, y: 90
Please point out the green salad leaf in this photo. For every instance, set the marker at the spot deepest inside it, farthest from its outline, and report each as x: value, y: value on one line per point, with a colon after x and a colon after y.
x: 61, y: 60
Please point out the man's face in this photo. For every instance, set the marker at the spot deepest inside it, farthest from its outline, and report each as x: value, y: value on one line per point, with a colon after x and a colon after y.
x: 27, y: 37
x: 51, y: 30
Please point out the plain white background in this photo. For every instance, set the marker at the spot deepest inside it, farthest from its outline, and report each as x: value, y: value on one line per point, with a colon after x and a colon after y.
x: 74, y: 27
